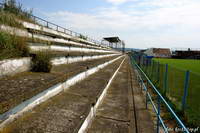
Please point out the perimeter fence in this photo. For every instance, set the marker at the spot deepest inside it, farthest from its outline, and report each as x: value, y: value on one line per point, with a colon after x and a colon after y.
x: 180, y: 87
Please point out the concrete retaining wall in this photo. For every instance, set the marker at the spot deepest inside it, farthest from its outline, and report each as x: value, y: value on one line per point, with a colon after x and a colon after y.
x: 14, y: 66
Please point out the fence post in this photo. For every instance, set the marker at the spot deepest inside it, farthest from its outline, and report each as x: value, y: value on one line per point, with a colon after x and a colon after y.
x: 146, y: 65
x: 158, y: 114
x: 158, y: 72
x: 186, y: 85
x: 165, y: 79
x: 147, y: 95
x: 152, y: 70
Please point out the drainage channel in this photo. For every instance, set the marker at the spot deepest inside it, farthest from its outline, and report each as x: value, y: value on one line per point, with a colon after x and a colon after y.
x: 143, y: 118
x: 65, y: 111
x: 132, y: 93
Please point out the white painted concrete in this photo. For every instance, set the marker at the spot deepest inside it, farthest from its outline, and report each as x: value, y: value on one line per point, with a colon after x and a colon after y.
x: 14, y: 66
x: 19, y: 110
x: 66, y: 49
x: 25, y: 33
x: 48, y: 30
x: 68, y: 60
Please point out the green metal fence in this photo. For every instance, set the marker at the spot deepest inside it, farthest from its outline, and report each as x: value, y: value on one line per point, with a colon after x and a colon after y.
x: 180, y: 87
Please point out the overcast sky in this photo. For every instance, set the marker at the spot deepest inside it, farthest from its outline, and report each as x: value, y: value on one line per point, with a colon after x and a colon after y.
x: 141, y: 23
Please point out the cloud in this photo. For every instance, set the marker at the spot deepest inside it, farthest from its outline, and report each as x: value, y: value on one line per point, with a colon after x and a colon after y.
x: 147, y: 23
x: 117, y: 2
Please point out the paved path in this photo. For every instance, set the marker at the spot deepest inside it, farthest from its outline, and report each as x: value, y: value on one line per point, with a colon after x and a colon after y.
x: 123, y: 109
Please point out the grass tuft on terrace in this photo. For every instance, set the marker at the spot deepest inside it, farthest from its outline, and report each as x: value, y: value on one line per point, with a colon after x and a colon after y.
x: 12, y: 46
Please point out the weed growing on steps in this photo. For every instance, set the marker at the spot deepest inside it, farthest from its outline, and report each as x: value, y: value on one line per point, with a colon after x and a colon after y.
x: 12, y: 46
x: 41, y: 62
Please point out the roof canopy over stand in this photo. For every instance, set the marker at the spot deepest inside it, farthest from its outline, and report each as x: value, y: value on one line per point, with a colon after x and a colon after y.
x: 115, y: 42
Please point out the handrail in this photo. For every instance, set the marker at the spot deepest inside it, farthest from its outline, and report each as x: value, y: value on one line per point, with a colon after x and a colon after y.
x: 160, y: 98
x: 64, y: 30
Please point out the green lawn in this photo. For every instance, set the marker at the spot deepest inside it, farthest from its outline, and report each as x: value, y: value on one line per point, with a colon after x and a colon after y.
x: 184, y: 64
x: 175, y: 91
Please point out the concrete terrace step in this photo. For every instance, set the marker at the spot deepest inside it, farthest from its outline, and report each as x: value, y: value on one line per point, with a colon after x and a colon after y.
x: 16, y: 89
x: 54, y: 33
x: 66, y: 49
x: 112, y: 115
x: 25, y: 33
x: 66, y: 111
x: 47, y: 46
x: 69, y: 60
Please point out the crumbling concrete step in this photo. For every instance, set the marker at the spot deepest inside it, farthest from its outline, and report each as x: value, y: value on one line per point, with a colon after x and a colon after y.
x: 18, y: 88
x: 113, y: 114
x: 65, y: 112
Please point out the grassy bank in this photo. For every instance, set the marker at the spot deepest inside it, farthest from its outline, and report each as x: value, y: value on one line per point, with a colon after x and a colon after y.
x: 11, y: 12
x: 12, y: 46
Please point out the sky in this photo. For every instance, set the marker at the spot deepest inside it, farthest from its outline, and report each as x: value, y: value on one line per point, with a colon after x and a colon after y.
x: 140, y: 23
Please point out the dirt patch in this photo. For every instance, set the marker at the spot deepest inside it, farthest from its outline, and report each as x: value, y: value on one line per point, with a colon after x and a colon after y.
x: 66, y: 111
x: 23, y: 86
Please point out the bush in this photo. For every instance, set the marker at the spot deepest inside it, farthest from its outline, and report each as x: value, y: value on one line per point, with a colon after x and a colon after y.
x: 41, y: 62
x: 12, y: 46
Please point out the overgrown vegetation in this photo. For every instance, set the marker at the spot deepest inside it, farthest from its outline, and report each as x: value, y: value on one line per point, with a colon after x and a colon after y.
x: 12, y: 46
x: 11, y: 13
x: 41, y: 62
x: 10, y: 20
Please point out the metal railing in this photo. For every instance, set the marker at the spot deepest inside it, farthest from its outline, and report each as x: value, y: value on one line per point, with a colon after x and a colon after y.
x: 58, y: 28
x: 145, y: 83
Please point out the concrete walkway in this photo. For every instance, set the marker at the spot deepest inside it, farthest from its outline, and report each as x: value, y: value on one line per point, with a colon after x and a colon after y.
x: 123, y: 109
